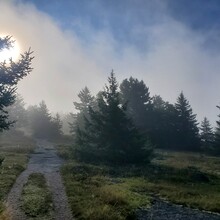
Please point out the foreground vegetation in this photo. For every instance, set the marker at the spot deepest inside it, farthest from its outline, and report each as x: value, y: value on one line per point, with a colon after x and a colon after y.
x: 14, y: 153
x: 110, y: 192
x: 36, y: 198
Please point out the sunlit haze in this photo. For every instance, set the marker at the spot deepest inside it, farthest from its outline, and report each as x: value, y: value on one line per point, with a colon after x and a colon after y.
x: 11, y: 53
x: 172, y: 47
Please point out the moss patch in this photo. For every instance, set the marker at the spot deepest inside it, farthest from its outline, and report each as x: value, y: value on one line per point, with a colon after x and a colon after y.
x: 36, y: 199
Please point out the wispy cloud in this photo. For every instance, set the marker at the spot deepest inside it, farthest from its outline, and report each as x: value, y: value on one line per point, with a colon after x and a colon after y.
x: 168, y: 55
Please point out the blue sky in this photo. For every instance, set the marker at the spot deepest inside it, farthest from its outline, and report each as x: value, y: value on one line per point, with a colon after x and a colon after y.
x: 121, y: 16
x: 173, y: 45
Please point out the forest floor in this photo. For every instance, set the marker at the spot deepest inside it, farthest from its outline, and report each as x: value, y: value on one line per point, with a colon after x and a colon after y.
x: 45, y: 161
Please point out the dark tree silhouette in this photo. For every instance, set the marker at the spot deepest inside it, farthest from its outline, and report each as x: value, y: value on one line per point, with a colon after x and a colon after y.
x: 165, y: 123
x: 206, y: 136
x: 187, y: 129
x: 109, y: 134
x: 217, y: 134
x: 136, y: 95
x: 86, y: 101
x: 10, y: 74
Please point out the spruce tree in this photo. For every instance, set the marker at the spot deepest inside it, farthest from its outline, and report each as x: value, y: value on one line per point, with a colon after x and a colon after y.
x: 187, y: 125
x: 165, y: 123
x: 10, y: 74
x: 78, y: 119
x: 56, y: 126
x: 17, y: 114
x: 206, y: 136
x: 217, y: 135
x: 139, y: 106
x: 109, y: 134
x: 42, y: 124
x: 40, y: 120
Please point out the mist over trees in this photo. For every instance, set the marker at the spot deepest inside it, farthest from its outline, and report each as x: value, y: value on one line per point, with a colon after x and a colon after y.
x: 86, y: 101
x: 109, y: 134
x: 217, y: 134
x: 135, y: 94
x: 100, y: 125
x: 207, y: 136
x: 41, y: 122
x: 10, y: 74
x: 121, y: 124
x: 18, y: 114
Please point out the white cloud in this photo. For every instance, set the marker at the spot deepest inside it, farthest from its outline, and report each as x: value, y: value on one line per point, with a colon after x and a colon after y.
x: 174, y: 61
x: 61, y: 67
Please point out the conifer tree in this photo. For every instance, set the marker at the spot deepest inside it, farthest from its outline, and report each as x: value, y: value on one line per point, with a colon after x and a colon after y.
x: 217, y: 135
x: 17, y: 114
x: 165, y: 123
x: 10, y: 74
x: 56, y: 126
x: 109, y: 134
x: 42, y: 124
x: 78, y: 119
x: 139, y: 106
x: 40, y: 120
x: 206, y: 135
x: 187, y: 125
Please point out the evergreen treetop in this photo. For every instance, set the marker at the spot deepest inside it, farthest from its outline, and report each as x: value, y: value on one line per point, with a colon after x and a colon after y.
x: 188, y: 132
x: 109, y: 135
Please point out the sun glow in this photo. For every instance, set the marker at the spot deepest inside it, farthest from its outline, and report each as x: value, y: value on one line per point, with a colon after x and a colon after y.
x: 13, y: 52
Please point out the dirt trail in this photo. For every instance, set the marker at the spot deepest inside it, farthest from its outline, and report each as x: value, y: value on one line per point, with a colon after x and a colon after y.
x: 44, y: 160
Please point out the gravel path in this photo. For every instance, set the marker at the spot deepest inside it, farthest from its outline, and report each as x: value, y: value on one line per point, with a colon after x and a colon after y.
x: 163, y: 210
x: 44, y: 160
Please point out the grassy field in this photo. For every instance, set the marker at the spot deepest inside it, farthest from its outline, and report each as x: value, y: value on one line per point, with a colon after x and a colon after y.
x: 14, y: 151
x: 36, y: 199
x: 108, y: 192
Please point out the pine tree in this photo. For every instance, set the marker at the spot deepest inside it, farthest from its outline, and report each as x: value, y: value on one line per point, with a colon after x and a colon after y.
x: 110, y: 135
x: 137, y: 96
x: 56, y: 126
x: 188, y: 132
x: 164, y: 126
x: 206, y: 136
x: 17, y: 114
x: 217, y: 135
x: 86, y: 100
x: 42, y: 124
x: 10, y: 74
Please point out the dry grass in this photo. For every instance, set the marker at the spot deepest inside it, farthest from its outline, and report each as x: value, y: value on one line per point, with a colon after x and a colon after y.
x: 101, y: 192
x: 14, y: 153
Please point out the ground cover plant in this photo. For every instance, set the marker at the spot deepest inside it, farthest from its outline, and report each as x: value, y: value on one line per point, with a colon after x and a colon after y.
x: 116, y: 192
x: 36, y: 198
x: 93, y: 194
x: 14, y: 153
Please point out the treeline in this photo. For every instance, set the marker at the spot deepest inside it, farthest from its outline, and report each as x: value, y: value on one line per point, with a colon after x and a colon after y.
x: 106, y: 126
x: 121, y: 124
x: 34, y: 121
